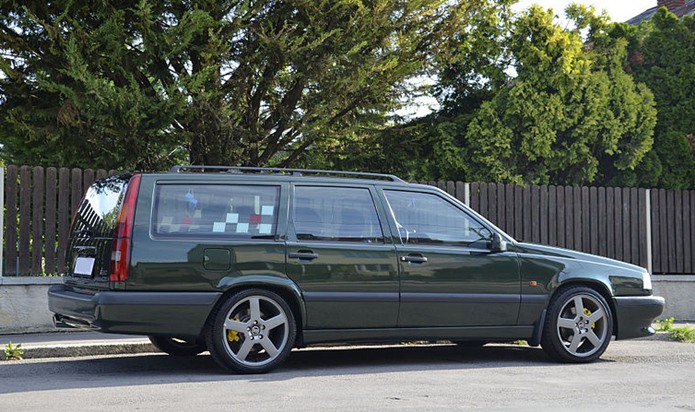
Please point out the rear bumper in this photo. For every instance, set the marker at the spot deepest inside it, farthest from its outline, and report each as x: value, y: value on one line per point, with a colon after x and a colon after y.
x: 181, y: 314
x: 635, y: 315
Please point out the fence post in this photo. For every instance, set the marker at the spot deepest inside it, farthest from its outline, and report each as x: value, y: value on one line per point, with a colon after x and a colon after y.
x: 2, y: 220
x: 467, y: 194
x: 649, y: 230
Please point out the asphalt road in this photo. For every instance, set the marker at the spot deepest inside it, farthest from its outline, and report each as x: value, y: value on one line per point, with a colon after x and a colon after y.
x: 632, y: 375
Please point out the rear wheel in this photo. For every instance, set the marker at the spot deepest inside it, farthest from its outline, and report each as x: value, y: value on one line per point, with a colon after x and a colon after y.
x: 579, y: 326
x: 251, y: 332
x: 178, y: 347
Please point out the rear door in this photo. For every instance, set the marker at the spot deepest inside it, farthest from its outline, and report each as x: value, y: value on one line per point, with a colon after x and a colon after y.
x: 341, y: 259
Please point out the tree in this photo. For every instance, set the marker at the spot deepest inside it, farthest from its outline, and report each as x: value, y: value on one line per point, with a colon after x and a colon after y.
x: 663, y: 57
x: 570, y: 113
x: 469, y: 67
x: 143, y: 84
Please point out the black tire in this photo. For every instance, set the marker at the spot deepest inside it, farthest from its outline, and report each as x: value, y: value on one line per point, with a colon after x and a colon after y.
x: 574, y: 337
x: 178, y: 347
x: 253, y: 331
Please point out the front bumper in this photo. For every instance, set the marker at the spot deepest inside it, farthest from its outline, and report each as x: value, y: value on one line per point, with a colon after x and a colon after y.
x: 180, y: 314
x: 635, y: 314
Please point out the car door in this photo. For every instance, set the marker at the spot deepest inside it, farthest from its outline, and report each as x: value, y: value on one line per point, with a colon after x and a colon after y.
x: 340, y: 258
x: 450, y: 277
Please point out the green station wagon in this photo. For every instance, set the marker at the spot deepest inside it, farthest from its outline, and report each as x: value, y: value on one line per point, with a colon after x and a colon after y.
x: 249, y: 263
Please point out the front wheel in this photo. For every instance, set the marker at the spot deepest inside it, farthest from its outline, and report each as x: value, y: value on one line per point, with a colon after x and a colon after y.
x: 579, y: 326
x: 176, y: 346
x: 252, y: 331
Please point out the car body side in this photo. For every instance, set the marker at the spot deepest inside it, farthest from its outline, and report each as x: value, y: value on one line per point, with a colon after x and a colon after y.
x: 175, y: 284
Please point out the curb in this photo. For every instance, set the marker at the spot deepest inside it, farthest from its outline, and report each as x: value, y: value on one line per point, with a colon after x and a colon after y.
x: 68, y: 350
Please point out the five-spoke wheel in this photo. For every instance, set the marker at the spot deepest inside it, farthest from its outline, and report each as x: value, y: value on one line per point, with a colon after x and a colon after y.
x: 253, y: 331
x: 578, y: 327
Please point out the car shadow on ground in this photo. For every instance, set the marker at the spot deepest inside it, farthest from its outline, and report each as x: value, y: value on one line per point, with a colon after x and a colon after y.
x: 155, y: 368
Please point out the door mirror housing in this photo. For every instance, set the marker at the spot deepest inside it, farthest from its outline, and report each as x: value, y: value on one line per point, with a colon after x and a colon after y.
x: 498, y: 244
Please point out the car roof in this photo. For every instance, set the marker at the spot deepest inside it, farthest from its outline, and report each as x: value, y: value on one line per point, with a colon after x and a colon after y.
x: 216, y: 173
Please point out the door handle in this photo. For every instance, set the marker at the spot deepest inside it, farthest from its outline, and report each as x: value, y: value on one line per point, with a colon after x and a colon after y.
x: 303, y: 255
x: 414, y: 259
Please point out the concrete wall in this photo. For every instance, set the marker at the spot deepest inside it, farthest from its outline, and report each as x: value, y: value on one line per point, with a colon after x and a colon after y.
x: 679, y: 292
x: 24, y: 303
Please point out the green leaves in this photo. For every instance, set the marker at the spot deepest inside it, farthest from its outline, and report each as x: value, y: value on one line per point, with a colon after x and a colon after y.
x: 662, y: 55
x: 138, y: 83
x: 570, y: 108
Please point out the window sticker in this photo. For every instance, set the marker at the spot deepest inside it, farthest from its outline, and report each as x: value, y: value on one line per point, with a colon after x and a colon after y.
x: 265, y: 229
x: 267, y: 210
x: 242, y: 228
x: 218, y: 227
x: 232, y: 218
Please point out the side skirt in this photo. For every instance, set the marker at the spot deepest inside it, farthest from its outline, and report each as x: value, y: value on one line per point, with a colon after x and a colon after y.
x: 405, y: 334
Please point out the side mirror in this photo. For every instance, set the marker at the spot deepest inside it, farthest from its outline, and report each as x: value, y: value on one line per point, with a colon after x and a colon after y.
x: 498, y: 244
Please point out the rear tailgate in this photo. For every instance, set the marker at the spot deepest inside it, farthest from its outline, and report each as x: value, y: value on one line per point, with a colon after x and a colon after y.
x: 92, y: 232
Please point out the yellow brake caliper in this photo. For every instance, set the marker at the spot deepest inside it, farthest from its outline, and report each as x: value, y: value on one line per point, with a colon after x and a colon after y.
x: 587, y: 312
x: 232, y: 335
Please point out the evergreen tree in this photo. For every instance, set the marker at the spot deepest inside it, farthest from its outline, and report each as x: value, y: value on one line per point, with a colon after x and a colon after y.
x: 570, y: 111
x: 663, y: 57
x: 144, y: 84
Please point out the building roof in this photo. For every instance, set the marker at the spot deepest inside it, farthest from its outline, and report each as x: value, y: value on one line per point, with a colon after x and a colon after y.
x: 688, y: 9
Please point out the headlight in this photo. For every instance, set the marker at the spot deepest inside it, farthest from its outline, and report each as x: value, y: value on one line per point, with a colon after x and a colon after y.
x: 646, y: 281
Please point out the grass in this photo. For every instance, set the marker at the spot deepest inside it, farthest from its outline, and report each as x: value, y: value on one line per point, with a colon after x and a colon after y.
x: 680, y: 334
x: 13, y: 352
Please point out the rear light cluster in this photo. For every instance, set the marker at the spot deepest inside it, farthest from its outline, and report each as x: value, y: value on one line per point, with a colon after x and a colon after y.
x: 120, y: 251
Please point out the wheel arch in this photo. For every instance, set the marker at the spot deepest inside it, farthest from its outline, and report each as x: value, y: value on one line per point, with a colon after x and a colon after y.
x: 283, y: 287
x: 598, y: 286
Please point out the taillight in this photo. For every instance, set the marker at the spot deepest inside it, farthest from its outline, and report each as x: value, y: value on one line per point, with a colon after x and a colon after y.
x: 120, y: 251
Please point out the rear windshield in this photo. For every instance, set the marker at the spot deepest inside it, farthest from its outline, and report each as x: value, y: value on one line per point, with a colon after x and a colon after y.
x: 99, y: 209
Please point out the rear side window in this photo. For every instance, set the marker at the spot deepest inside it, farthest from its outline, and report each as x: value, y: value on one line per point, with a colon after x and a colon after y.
x: 215, y: 211
x: 98, y: 212
x: 335, y: 214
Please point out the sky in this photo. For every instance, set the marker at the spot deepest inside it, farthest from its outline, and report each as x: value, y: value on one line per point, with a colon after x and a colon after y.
x: 619, y: 10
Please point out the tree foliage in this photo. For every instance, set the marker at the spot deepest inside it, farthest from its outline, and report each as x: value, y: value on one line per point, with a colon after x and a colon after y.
x: 571, y: 112
x: 663, y: 57
x: 144, y: 83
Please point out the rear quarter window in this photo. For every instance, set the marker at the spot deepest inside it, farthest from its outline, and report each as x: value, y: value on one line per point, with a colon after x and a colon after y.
x: 215, y: 211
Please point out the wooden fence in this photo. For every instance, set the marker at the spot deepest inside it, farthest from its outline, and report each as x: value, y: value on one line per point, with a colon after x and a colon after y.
x: 39, y: 205
x: 651, y: 228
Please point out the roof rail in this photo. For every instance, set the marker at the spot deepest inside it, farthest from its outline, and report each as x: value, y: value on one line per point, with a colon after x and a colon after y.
x: 280, y: 170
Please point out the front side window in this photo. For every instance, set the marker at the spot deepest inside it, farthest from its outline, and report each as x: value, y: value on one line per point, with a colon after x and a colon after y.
x: 227, y: 211
x: 425, y: 218
x: 335, y: 214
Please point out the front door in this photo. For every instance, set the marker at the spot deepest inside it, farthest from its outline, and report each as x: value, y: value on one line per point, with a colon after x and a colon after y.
x: 449, y: 274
